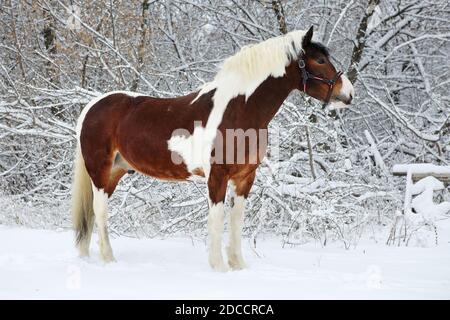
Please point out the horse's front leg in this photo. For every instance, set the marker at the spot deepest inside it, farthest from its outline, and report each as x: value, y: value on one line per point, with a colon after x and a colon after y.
x: 217, y: 187
x: 242, y: 186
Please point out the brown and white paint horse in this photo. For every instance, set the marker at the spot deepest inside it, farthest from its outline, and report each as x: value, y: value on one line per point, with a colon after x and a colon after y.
x: 123, y: 131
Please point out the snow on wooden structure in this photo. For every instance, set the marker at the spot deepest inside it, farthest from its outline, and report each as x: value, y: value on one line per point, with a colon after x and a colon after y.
x: 422, y: 170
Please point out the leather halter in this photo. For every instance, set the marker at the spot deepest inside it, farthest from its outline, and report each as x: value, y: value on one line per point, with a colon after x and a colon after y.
x: 306, y: 75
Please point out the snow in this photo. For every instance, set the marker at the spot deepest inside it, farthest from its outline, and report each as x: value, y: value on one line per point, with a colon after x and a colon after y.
x: 41, y: 264
x: 427, y: 183
x: 423, y: 203
x: 376, y: 154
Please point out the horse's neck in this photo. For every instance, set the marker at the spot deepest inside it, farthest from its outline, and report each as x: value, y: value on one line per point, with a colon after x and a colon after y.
x: 267, y: 99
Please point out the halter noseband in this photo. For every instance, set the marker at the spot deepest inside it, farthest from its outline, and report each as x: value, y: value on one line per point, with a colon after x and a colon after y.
x: 306, y: 75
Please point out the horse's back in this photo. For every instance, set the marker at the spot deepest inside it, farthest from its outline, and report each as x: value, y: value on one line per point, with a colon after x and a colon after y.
x: 102, y: 115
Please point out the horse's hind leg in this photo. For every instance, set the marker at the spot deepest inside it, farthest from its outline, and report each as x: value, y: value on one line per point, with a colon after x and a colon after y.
x: 101, y: 218
x: 106, y: 181
x: 83, y: 245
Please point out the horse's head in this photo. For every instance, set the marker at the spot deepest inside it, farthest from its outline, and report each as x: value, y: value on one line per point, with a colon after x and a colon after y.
x: 319, y: 78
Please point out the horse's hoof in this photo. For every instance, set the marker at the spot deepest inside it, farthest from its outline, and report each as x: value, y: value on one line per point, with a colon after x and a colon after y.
x: 236, y: 265
x: 108, y: 258
x: 83, y: 253
x: 219, y: 267
x: 235, y: 260
x: 223, y: 268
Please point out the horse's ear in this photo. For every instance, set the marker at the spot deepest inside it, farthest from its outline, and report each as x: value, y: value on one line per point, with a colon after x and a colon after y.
x: 307, y: 38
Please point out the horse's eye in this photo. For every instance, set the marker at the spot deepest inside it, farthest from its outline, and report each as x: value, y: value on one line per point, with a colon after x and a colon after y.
x: 321, y: 61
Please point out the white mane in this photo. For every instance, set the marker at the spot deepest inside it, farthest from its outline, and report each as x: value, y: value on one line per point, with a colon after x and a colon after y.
x: 248, y: 68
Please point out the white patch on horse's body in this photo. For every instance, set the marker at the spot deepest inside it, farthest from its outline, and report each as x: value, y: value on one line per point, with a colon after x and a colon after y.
x: 240, y: 74
x: 101, y: 218
x: 194, y: 149
x: 234, y: 251
x: 215, y: 230
x: 93, y: 102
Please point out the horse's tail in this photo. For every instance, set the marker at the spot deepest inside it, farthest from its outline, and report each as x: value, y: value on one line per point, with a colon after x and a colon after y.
x: 82, y: 200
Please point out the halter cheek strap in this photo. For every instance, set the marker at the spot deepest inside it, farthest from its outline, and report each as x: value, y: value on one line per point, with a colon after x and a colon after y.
x: 306, y: 75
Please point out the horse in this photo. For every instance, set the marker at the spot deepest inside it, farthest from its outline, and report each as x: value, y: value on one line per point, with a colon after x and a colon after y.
x: 175, y: 139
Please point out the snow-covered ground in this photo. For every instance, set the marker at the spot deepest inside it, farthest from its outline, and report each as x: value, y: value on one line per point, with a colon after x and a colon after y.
x: 40, y: 264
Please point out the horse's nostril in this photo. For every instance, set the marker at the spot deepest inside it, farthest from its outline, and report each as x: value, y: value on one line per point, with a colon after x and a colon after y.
x: 350, y: 99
